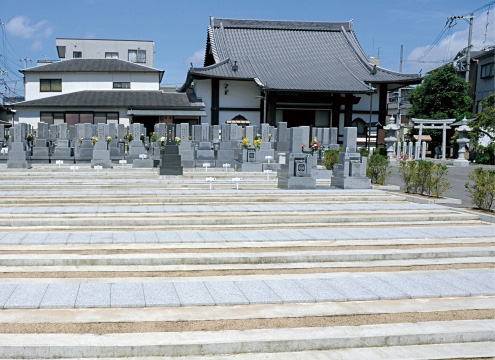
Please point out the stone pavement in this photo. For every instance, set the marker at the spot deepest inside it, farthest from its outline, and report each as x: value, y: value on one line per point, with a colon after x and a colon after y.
x: 255, y: 273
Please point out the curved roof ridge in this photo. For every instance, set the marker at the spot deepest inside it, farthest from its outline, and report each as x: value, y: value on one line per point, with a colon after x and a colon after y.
x: 364, y: 59
x: 355, y: 77
x: 359, y: 52
x: 209, y: 67
x: 280, y: 24
x: 213, y: 45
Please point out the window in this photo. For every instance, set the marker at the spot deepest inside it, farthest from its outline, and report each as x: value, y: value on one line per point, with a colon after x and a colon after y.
x: 111, y: 55
x: 52, y: 118
x: 77, y: 55
x: 487, y: 70
x: 121, y: 85
x: 50, y: 85
x: 360, y: 124
x: 137, y: 56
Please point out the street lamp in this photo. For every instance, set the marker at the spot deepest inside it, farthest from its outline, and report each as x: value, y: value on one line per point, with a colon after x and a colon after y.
x: 264, y: 106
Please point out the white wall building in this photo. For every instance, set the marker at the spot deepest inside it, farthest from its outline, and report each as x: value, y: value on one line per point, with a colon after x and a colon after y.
x: 136, y: 51
x: 102, y: 91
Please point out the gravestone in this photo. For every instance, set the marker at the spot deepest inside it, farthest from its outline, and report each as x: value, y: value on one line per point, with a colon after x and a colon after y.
x: 205, y: 152
x: 171, y: 159
x: 18, y: 156
x: 225, y: 153
x: 297, y: 173
x: 53, y: 133
x: 350, y: 172
x: 136, y: 146
x: 41, y: 151
x: 84, y: 145
x: 101, y: 151
x: 266, y: 146
x: 215, y: 131
x: 62, y: 150
x: 334, y: 136
x: 186, y: 151
x: 121, y: 131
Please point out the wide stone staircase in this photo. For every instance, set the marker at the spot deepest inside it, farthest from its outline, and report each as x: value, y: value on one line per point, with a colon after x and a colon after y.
x: 125, y: 264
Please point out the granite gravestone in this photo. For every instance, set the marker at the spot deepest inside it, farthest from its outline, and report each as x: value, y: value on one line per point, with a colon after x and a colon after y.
x: 297, y: 173
x: 225, y: 154
x: 101, y: 151
x: 205, y: 153
x: 41, y: 151
x: 350, y: 172
x: 18, y: 156
x: 171, y: 159
x: 62, y: 150
x: 266, y: 146
x: 186, y: 151
x: 84, y: 147
x: 136, y: 146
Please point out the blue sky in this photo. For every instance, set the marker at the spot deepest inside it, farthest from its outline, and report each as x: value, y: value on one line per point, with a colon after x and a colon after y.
x: 179, y: 27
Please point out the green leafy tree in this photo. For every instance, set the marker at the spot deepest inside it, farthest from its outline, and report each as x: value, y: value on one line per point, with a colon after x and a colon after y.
x: 484, y: 124
x: 442, y: 95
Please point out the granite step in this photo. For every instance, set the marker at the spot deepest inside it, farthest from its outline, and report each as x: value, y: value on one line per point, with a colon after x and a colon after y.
x: 45, y: 346
x: 261, y: 220
x: 48, y: 259
x: 474, y: 350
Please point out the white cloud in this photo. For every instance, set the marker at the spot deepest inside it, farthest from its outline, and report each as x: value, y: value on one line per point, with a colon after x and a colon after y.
x: 450, y: 45
x: 20, y: 27
x: 197, y: 58
x: 37, y: 46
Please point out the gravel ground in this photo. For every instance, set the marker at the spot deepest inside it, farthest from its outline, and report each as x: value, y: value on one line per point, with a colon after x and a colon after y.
x: 138, y: 274
x: 245, y: 324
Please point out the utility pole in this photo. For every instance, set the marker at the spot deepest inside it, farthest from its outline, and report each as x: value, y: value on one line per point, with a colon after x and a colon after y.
x: 25, y: 60
x: 470, y: 37
x: 401, y: 55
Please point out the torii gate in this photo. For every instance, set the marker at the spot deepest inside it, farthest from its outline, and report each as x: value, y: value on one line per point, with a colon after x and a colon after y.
x: 435, y: 125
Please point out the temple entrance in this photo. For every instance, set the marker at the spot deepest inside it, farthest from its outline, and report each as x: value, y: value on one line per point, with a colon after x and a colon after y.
x: 148, y: 122
x: 299, y: 118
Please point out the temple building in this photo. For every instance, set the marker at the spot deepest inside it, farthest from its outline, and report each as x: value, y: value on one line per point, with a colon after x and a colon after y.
x: 302, y: 73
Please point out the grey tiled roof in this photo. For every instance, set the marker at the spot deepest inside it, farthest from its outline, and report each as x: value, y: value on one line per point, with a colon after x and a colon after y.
x: 117, y: 98
x: 92, y: 65
x: 288, y: 55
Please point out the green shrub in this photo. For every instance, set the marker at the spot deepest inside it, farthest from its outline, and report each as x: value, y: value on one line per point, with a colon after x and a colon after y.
x: 381, y: 151
x: 483, y: 190
x: 438, y: 184
x: 486, y: 154
x: 378, y: 169
x: 407, y: 170
x: 422, y: 177
x: 364, y: 151
x: 330, y: 158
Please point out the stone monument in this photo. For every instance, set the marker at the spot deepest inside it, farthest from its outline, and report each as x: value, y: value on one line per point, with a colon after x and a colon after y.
x: 171, y: 159
x: 101, y: 151
x: 18, y: 156
x: 350, y: 172
x: 297, y: 172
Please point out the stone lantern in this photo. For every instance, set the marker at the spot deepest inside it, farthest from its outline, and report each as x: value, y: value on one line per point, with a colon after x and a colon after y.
x: 463, y: 140
x: 391, y: 130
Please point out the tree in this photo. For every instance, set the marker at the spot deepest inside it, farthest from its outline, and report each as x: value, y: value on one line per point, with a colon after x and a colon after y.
x: 484, y: 124
x: 442, y: 95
